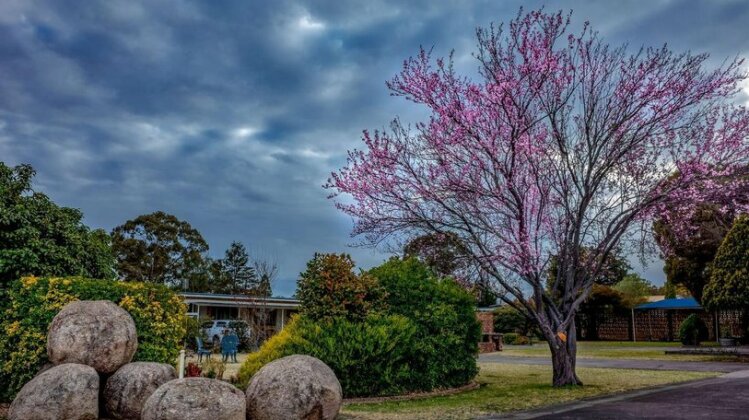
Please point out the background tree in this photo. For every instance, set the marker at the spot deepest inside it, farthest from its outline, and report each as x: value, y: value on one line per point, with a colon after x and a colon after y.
x: 507, y: 319
x: 447, y: 256
x: 563, y: 144
x: 160, y: 248
x: 688, y: 252
x: 634, y: 290
x: 38, y: 237
x: 236, y: 273
x: 444, y: 253
x: 266, y: 270
x: 329, y: 288
x: 729, y: 277
x: 601, y: 301
x: 612, y: 269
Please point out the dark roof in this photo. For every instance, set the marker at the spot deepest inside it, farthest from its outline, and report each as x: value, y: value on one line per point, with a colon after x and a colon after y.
x: 676, y: 303
x: 237, y: 297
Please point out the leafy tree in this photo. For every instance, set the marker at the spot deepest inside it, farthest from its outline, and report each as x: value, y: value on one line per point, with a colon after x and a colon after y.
x: 612, y: 270
x: 329, y: 288
x: 689, y: 246
x: 601, y: 300
x: 507, y: 319
x: 563, y: 143
x: 160, y: 248
x: 447, y: 256
x: 729, y: 278
x: 633, y: 289
x: 38, y: 237
x: 445, y: 253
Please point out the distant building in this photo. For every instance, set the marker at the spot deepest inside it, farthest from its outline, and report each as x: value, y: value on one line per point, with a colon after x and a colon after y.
x: 271, y: 314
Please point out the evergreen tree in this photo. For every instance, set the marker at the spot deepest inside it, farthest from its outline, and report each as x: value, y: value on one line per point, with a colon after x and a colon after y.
x: 238, y: 273
x: 729, y: 277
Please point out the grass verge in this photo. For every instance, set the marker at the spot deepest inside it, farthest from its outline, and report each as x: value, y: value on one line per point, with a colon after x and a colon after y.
x: 509, y: 387
x: 617, y: 350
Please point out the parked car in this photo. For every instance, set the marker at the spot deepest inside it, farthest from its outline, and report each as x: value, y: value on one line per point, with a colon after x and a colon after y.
x: 216, y: 329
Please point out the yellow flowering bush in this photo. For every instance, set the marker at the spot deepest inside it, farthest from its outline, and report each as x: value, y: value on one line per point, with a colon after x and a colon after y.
x: 29, y: 304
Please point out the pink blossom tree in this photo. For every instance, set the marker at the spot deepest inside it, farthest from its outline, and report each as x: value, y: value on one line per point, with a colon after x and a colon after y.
x: 564, y: 143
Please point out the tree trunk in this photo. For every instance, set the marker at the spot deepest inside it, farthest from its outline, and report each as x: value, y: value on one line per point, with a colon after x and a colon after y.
x: 563, y: 358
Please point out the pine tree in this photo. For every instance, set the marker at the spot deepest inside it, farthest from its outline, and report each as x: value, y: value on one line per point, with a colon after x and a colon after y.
x: 238, y: 273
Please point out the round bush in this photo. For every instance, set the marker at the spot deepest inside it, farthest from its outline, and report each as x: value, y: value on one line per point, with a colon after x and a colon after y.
x: 692, y: 331
x: 31, y: 303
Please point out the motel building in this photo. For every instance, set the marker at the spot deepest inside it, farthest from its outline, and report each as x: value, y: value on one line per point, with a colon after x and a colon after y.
x: 269, y: 314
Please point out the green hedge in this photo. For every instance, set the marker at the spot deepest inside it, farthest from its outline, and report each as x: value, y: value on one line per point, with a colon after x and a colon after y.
x: 423, y: 335
x: 28, y: 306
x: 447, y: 332
x: 369, y: 357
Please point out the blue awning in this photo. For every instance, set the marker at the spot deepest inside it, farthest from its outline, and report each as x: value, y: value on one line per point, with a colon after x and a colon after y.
x: 677, y: 303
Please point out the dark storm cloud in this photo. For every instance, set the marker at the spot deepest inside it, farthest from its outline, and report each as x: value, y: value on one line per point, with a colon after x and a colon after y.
x: 231, y: 114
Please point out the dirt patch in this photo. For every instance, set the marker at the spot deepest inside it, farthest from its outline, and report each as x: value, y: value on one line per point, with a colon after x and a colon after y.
x: 4, y: 411
x: 413, y: 396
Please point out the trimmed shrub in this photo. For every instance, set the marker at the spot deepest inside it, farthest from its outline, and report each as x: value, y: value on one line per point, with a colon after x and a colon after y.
x: 515, y: 339
x: 370, y: 357
x: 510, y: 338
x: 692, y: 331
x: 29, y: 305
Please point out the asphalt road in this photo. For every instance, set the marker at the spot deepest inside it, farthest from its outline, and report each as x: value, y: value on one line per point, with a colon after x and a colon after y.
x: 720, y: 398
x: 725, y: 397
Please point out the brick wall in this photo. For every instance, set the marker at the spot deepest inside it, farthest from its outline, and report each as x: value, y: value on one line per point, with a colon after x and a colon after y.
x: 654, y: 325
x: 487, y: 322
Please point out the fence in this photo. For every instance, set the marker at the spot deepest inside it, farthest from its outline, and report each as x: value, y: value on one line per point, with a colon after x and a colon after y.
x: 652, y: 324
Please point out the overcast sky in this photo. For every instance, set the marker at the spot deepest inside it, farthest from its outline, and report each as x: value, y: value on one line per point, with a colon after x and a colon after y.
x: 232, y: 114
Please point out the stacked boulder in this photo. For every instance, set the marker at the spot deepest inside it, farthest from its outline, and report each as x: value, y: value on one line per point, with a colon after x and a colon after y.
x: 92, y: 343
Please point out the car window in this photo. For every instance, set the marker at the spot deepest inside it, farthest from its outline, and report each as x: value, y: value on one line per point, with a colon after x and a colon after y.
x: 208, y: 324
x: 221, y: 324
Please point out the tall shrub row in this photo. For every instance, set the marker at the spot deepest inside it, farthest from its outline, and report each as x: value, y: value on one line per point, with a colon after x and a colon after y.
x: 28, y: 306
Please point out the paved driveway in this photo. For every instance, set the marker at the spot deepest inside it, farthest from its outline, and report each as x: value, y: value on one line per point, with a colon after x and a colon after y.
x: 624, y: 364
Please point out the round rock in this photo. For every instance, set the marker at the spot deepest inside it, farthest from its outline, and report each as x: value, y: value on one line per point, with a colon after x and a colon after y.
x: 127, y: 390
x: 97, y: 333
x: 195, y: 399
x: 69, y: 392
x: 294, y: 387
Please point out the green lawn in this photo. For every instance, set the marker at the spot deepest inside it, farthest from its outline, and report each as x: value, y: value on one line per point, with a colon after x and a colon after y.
x: 616, y: 350
x: 506, y: 387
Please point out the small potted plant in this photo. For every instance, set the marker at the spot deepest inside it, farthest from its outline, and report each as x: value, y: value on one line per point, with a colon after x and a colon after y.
x: 726, y: 339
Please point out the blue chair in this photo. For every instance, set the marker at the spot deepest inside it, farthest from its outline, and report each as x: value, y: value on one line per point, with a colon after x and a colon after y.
x: 201, y: 350
x: 229, y: 347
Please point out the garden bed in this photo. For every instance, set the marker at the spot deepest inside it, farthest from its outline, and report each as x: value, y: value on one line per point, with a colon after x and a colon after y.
x: 413, y: 395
